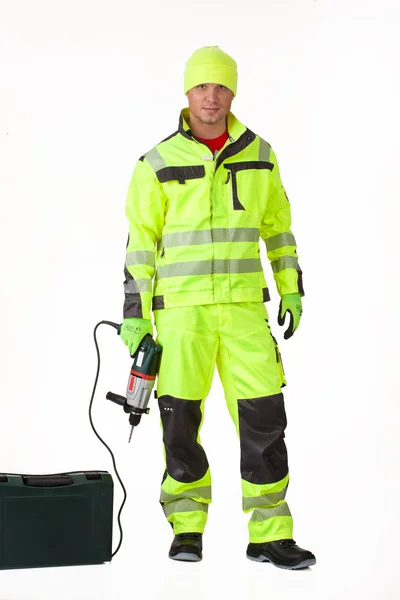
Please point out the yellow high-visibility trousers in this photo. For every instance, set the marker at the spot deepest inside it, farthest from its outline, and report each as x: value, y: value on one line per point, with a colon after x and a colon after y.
x: 237, y: 338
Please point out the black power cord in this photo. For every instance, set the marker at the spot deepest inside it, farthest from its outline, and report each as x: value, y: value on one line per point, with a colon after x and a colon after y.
x: 117, y: 327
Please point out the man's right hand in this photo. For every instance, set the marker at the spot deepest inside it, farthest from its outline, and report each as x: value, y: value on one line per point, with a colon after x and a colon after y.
x: 133, y: 331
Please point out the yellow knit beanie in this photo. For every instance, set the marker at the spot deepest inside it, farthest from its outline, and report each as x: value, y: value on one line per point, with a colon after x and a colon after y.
x: 210, y: 65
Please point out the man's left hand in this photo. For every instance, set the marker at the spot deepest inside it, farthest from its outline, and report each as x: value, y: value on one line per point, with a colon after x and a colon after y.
x: 290, y: 303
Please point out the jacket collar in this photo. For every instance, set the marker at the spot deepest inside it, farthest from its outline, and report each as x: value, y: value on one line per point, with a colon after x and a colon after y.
x: 235, y: 127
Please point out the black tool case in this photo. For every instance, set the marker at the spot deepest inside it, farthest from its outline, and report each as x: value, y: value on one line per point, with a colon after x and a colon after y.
x: 55, y: 520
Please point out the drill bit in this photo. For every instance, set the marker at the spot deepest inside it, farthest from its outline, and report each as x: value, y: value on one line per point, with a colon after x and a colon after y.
x: 130, y: 435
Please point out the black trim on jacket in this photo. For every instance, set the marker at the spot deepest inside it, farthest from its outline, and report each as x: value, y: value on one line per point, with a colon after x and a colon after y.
x: 181, y: 173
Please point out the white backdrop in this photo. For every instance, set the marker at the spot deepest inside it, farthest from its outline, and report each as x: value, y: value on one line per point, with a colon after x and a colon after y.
x: 86, y: 87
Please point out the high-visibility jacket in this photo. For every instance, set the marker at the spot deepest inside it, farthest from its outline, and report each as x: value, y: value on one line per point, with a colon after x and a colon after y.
x: 196, y: 220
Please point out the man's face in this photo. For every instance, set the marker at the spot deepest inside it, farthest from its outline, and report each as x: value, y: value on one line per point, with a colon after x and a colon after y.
x: 210, y: 102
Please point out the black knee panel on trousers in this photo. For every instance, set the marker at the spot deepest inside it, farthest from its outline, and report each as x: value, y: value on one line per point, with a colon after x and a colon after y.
x: 262, y: 422
x: 186, y: 459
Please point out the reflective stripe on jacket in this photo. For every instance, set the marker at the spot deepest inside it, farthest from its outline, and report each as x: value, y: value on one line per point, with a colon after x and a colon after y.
x: 195, y: 223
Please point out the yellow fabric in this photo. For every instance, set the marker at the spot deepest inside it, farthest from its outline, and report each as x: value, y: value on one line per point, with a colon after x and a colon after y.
x: 237, y: 339
x: 187, y: 232
x: 210, y: 65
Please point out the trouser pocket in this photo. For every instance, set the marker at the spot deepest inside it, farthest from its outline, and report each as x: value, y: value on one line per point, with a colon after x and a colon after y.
x: 279, y: 363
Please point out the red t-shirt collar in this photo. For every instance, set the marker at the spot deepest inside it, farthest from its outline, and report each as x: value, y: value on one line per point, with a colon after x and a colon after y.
x: 215, y: 144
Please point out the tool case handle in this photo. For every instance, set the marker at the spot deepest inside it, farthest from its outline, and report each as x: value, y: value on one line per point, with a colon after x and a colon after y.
x: 47, y: 480
x: 53, y: 480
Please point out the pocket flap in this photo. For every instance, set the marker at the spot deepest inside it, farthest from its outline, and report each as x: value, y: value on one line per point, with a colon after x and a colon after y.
x: 248, y: 164
x: 180, y: 174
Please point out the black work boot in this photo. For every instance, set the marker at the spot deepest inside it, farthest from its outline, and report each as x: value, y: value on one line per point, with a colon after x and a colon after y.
x: 187, y: 546
x: 284, y: 554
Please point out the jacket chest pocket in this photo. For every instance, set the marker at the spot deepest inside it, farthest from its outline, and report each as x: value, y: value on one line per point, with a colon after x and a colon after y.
x: 182, y: 186
x: 248, y: 182
x: 180, y: 174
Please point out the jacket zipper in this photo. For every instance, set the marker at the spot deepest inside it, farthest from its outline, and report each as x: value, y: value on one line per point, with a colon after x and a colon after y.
x: 213, y: 158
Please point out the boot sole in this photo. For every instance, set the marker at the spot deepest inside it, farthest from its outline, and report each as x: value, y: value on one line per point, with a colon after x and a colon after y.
x: 303, y: 565
x: 186, y: 556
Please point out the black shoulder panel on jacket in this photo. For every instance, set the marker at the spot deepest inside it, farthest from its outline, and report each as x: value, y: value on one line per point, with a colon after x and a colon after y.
x: 169, y: 137
x: 162, y: 141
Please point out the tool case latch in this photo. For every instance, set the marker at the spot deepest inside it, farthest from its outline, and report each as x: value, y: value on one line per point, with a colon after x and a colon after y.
x: 92, y: 475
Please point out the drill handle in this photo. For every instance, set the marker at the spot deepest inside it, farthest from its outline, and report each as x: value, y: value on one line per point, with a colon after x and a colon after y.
x: 116, y: 398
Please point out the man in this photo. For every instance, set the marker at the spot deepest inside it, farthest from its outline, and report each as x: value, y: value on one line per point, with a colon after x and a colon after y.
x: 197, y: 206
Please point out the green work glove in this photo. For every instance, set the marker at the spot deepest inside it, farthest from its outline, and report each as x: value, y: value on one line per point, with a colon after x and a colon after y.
x: 133, y: 331
x: 290, y: 303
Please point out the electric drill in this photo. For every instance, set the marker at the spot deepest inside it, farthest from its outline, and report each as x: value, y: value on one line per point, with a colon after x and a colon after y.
x: 146, y: 361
